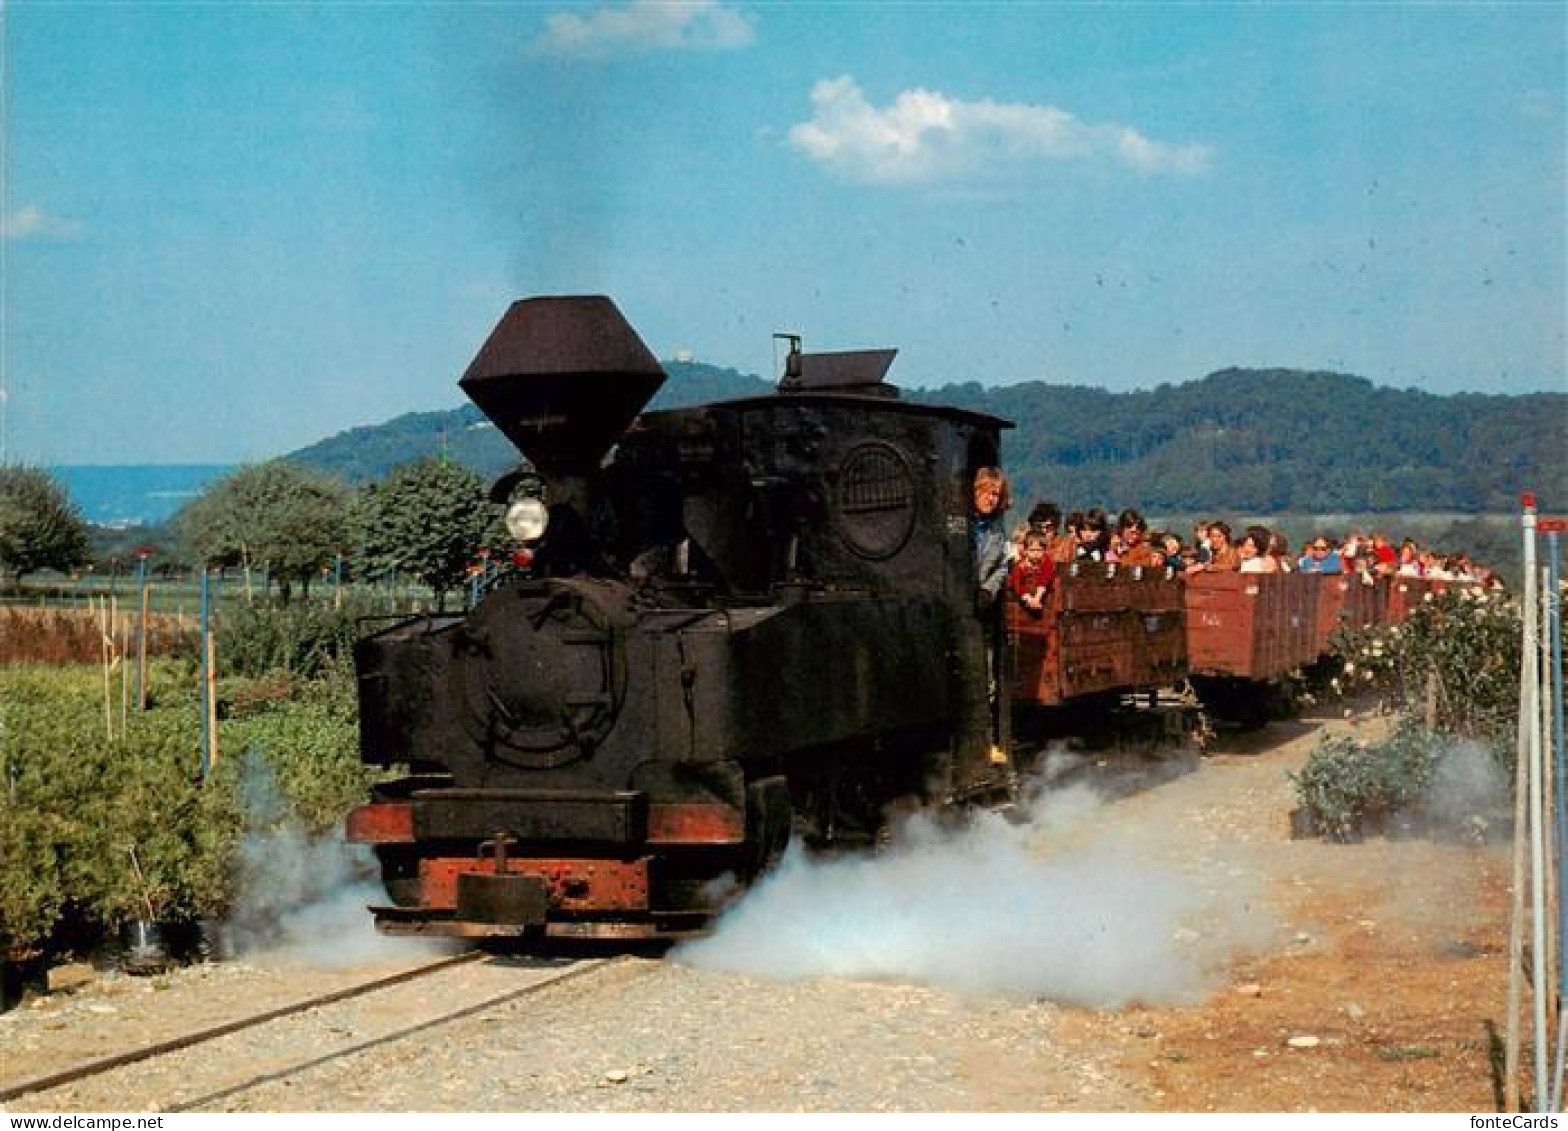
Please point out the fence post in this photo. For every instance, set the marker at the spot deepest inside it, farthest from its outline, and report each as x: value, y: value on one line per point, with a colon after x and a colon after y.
x: 1526, y: 829
x: 206, y: 674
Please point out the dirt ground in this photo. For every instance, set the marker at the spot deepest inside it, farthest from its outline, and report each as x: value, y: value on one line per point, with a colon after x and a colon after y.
x: 1386, y: 989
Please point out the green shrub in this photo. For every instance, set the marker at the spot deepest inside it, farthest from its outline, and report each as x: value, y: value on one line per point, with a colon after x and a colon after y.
x: 1347, y: 784
x: 303, y: 639
x: 310, y: 743
x: 32, y: 896
x: 124, y: 827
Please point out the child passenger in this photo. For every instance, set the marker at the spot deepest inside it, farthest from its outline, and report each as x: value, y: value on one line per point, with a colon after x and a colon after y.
x: 1034, y: 574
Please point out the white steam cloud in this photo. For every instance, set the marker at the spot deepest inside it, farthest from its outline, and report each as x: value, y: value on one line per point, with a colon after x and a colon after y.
x: 1061, y: 908
x: 925, y: 136
x: 303, y: 898
x: 1468, y: 795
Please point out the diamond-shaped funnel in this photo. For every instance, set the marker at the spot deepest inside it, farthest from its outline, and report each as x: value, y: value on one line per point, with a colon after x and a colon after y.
x: 562, y: 377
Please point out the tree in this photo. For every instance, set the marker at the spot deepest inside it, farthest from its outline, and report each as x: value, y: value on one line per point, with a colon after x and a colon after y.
x: 40, y: 527
x: 427, y: 520
x: 291, y: 520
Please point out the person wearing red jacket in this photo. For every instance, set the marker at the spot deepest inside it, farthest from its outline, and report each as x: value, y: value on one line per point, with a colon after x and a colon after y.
x: 1033, y: 574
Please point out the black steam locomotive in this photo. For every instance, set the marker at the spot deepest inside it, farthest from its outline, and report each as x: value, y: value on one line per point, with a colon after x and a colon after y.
x: 754, y: 620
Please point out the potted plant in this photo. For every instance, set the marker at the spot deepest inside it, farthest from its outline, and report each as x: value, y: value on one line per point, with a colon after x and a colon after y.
x: 147, y: 860
x: 145, y: 933
x: 31, y: 897
x: 208, y: 878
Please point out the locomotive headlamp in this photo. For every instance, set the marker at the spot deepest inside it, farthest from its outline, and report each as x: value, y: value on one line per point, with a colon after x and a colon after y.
x: 527, y: 518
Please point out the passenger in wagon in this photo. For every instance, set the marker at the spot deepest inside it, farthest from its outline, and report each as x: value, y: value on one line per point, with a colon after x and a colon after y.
x: 1410, y: 564
x: 1094, y: 539
x: 1200, y: 543
x: 1222, y: 555
x: 1320, y: 557
x: 1045, y: 518
x: 1384, y: 560
x: 1174, y: 554
x: 1033, y: 576
x: 1253, y: 552
x: 1364, y: 566
x: 1279, y: 550
x: 1133, y: 549
x: 1065, y: 548
x: 1015, y: 543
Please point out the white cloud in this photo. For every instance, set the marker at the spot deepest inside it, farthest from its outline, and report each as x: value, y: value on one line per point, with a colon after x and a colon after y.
x: 925, y: 136
x: 29, y: 222
x: 644, y: 25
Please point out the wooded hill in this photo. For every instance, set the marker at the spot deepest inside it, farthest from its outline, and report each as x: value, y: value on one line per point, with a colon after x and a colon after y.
x: 362, y: 455
x: 1269, y: 441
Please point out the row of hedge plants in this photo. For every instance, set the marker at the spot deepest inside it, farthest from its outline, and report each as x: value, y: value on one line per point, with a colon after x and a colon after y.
x: 98, y: 830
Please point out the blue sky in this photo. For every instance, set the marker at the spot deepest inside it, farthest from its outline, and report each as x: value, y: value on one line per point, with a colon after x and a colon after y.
x: 231, y: 230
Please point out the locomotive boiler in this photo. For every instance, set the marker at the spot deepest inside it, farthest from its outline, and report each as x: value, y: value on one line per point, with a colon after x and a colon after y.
x: 727, y: 625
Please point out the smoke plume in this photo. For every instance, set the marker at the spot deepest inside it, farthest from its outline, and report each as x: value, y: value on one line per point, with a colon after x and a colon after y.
x: 302, y: 897
x: 1066, y: 907
x: 1468, y: 794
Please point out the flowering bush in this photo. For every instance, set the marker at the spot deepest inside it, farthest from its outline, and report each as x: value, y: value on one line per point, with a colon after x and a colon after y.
x: 1454, y: 664
x: 1450, y: 672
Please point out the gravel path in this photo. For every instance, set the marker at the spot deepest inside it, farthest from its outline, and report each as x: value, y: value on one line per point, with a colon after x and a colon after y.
x: 650, y: 1036
x: 628, y: 1035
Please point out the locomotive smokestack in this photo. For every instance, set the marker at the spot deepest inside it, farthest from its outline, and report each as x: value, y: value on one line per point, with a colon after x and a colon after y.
x: 562, y: 377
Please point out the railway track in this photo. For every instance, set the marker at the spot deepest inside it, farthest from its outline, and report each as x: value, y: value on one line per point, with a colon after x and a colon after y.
x: 339, y: 1024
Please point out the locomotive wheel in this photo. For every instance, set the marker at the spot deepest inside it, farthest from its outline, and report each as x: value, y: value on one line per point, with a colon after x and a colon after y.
x: 769, y: 820
x: 399, y: 873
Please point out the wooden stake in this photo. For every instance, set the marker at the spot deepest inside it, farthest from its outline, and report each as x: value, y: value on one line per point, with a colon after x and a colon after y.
x: 122, y: 658
x: 212, y: 700
x: 141, y: 659
x: 206, y: 681
x: 103, y: 647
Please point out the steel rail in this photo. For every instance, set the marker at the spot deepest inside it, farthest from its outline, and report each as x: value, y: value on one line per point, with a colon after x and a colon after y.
x: 89, y: 1068
x: 554, y: 979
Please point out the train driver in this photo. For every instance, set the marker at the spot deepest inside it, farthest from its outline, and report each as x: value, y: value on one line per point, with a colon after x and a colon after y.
x: 989, y: 536
x: 986, y: 724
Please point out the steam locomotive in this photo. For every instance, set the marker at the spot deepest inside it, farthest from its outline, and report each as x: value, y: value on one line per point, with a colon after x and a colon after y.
x: 750, y: 621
